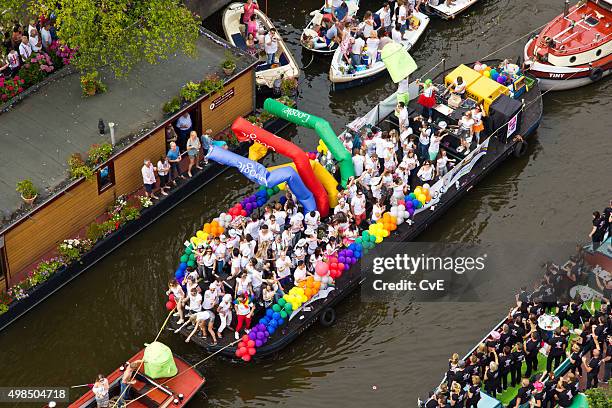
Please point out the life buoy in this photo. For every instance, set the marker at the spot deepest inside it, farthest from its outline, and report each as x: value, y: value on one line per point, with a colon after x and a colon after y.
x: 520, y: 149
x: 595, y: 74
x: 328, y: 317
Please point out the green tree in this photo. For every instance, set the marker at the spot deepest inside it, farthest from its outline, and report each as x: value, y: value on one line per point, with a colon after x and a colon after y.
x: 121, y: 33
x: 10, y: 12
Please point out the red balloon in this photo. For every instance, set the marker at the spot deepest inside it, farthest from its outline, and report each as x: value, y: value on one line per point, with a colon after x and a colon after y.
x: 251, y: 351
x: 238, y: 352
x: 339, y: 274
x: 250, y: 344
x: 241, y: 344
x: 246, y: 339
x: 340, y: 266
x: 333, y: 266
x: 170, y: 305
x: 239, y: 206
x: 333, y: 259
x: 246, y: 357
x: 333, y: 274
x: 171, y: 298
x: 243, y: 350
x: 243, y: 213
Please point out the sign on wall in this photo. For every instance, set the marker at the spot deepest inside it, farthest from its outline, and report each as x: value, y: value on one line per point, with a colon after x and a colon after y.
x: 227, y: 95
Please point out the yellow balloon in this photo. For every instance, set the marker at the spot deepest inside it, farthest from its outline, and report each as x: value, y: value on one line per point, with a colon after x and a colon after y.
x: 418, y: 190
x: 379, y: 240
x: 385, y: 233
x: 200, y: 234
x: 421, y: 197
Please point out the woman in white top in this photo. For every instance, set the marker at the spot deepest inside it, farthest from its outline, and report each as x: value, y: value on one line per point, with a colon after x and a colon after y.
x: 442, y: 163
x: 372, y: 44
x: 235, y: 263
x: 179, y: 295
x: 274, y: 226
x: 378, y: 210
x: 466, y: 124
x: 396, y: 33
x: 225, y: 313
x: 424, y: 138
x: 434, y: 145
x: 100, y: 390
x: 163, y: 168
x: 398, y: 191
x: 243, y: 285
x: 202, y: 321
x: 478, y: 125
x: 368, y: 25
x: 427, y: 172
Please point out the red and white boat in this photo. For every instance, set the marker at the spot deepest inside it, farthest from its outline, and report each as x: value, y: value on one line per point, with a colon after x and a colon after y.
x: 148, y: 392
x: 575, y: 48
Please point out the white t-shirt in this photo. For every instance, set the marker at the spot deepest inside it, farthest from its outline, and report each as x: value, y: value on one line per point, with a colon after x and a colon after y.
x: 358, y: 45
x: 265, y: 236
x: 424, y: 137
x: 402, y: 14
x: 385, y: 17
x: 148, y: 174
x: 372, y: 45
x: 441, y: 162
x: 377, y: 212
x: 434, y: 143
x: 358, y: 204
x: 396, y: 35
x: 242, y: 286
x: 256, y: 277
x: 358, y: 161
x: 283, y: 265
x: 299, y: 274
x: 221, y: 251
x: 270, y: 44
x: 281, y: 216
x: 210, y: 298
x: 466, y: 123
x: 312, y: 221
x: 195, y: 302
x: 403, y: 118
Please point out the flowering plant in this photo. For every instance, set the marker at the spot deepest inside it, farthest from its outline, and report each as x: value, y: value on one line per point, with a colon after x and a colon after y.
x: 78, y: 168
x: 62, y: 52
x: 99, y: 153
x: 10, y: 87
x: 36, y: 68
x: 43, y: 271
x: 71, y: 249
x: 17, y: 292
x: 145, y: 201
x: 190, y: 91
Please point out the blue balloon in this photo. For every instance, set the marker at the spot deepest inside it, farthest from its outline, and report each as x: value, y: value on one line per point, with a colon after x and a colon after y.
x: 264, y: 321
x: 416, y: 203
x: 257, y: 173
x: 272, y: 323
x: 281, y: 321
x: 282, y: 200
x: 271, y: 329
x: 276, y: 316
x: 183, y: 266
x: 179, y: 275
x: 269, y: 312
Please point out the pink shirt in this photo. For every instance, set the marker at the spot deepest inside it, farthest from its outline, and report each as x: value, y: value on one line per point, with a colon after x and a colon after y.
x: 252, y: 28
x: 248, y: 12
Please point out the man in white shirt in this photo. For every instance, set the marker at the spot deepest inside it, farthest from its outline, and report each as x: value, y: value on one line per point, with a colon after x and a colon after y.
x: 252, y: 228
x: 312, y: 220
x: 283, y: 266
x: 271, y: 46
x: 148, y: 178
x: 210, y: 298
x: 25, y: 50
x: 358, y: 162
x: 402, y: 114
x: 385, y: 16
x: 357, y: 50
x: 402, y: 91
x: 265, y: 234
x: 35, y: 41
x: 358, y: 207
x: 184, y: 126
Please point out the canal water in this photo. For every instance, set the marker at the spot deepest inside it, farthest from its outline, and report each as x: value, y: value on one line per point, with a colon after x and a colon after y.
x: 375, y: 354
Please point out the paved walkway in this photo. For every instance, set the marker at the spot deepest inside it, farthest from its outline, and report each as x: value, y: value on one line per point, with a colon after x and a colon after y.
x: 41, y: 132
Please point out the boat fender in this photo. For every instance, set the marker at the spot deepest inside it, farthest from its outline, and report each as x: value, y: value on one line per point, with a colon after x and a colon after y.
x: 520, y: 149
x: 328, y: 317
x: 595, y: 74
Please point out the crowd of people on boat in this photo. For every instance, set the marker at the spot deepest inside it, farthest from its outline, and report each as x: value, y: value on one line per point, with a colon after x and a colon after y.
x: 513, y: 355
x: 258, y: 258
x: 361, y: 41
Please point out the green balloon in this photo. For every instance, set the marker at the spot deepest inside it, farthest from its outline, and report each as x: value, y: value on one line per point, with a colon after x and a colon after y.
x: 411, y: 196
x: 276, y: 308
x: 359, y: 240
x: 282, y: 302
x: 288, y: 308
x: 188, y: 251
x: 270, y: 192
x: 276, y: 189
x: 184, y: 258
x: 191, y: 264
x: 365, y: 234
x: 283, y: 314
x: 372, y: 238
x: 192, y: 257
x: 262, y: 188
x: 419, y: 205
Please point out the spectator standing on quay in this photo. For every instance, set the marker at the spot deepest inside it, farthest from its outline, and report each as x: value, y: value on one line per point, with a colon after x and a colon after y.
x: 35, y: 41
x: 148, y: 178
x: 45, y: 35
x: 25, y: 50
x: 598, y: 232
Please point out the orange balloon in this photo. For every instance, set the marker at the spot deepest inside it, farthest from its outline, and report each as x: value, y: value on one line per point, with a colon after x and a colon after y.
x: 317, y: 285
x: 214, y: 224
x: 221, y: 230
x: 308, y: 292
x: 207, y: 228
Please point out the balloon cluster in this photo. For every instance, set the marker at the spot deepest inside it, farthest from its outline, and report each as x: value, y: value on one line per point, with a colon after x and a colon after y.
x: 246, y: 346
x: 171, y: 303
x: 366, y: 242
x: 311, y: 286
x: 492, y: 73
x: 400, y: 212
x: 188, y: 259
x: 346, y: 259
x: 417, y: 199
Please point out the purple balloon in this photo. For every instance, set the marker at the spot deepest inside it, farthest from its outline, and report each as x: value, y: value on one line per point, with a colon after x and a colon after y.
x: 354, y: 260
x: 258, y: 343
x: 252, y: 335
x: 259, y: 335
x: 409, y: 205
x: 411, y: 211
x: 346, y: 267
x: 349, y: 252
x: 261, y: 327
x: 341, y: 259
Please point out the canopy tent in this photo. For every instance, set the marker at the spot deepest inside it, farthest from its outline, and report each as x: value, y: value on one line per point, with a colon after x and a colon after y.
x: 398, y: 61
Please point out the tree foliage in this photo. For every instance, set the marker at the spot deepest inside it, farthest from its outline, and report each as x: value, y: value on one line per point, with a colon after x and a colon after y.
x: 121, y: 33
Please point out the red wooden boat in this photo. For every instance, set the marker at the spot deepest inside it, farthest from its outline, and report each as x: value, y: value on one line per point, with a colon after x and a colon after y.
x: 175, y: 391
x: 575, y: 48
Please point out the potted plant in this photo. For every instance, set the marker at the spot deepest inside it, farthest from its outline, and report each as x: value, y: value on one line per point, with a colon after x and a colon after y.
x: 229, y: 64
x: 172, y: 106
x: 91, y: 84
x: 289, y: 86
x: 27, y: 190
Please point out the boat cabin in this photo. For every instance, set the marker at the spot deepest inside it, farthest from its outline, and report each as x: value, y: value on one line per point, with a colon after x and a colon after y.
x: 581, y: 35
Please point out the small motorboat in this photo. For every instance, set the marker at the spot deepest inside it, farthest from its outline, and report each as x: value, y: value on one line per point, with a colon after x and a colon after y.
x: 342, y: 75
x: 265, y: 74
x: 163, y: 380
x: 311, y: 38
x: 575, y: 48
x: 447, y: 10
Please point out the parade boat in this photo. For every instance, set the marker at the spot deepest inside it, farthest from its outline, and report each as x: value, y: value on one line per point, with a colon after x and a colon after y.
x: 599, y: 263
x: 312, y: 39
x: 575, y: 48
x: 510, y: 122
x: 447, y: 10
x: 163, y: 380
x: 342, y: 75
x: 265, y: 74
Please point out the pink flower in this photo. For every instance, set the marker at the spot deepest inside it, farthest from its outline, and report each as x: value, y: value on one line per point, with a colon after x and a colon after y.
x: 27, y: 65
x: 43, y: 67
x: 4, y: 97
x: 20, y: 89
